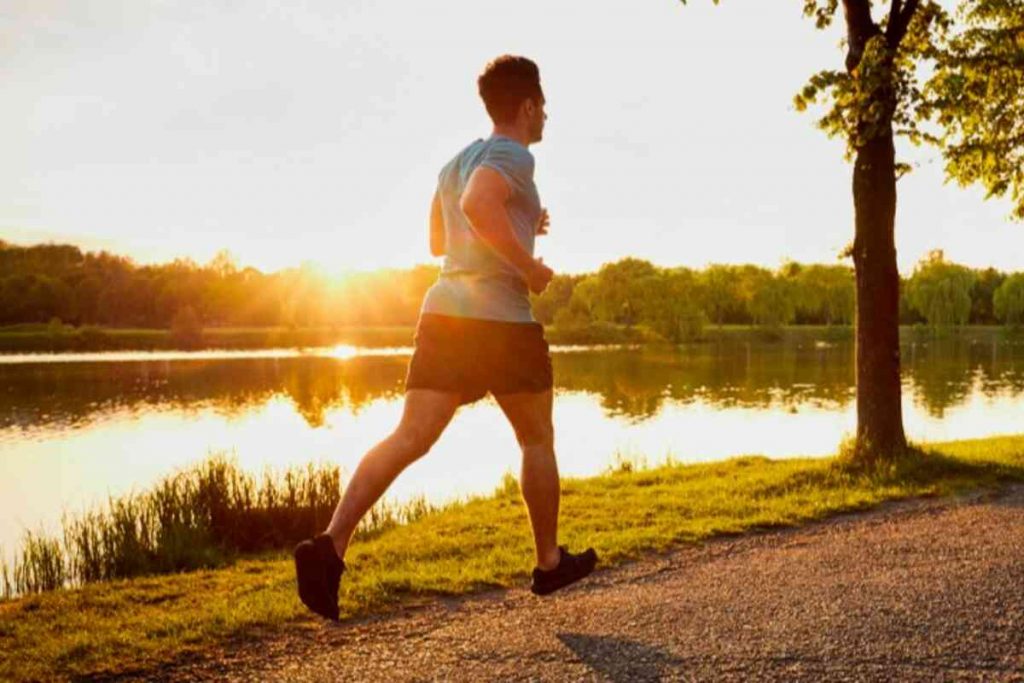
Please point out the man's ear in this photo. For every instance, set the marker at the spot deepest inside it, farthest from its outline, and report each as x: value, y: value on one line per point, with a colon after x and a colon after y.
x: 526, y: 108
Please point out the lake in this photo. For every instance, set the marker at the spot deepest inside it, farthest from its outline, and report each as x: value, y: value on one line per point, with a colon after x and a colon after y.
x: 75, y: 428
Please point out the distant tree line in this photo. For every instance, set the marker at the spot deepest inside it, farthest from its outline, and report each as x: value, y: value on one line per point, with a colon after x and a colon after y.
x: 44, y: 282
x: 677, y: 302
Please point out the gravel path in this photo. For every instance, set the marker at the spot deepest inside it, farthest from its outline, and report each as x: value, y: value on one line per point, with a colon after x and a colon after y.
x: 915, y: 591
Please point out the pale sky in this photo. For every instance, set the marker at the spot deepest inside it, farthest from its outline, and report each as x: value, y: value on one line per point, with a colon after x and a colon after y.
x: 296, y: 131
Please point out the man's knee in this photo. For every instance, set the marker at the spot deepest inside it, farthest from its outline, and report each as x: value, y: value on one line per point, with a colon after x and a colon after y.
x: 535, y: 435
x: 415, y: 441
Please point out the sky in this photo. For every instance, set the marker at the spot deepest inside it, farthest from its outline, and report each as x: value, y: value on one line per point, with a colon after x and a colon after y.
x: 301, y: 131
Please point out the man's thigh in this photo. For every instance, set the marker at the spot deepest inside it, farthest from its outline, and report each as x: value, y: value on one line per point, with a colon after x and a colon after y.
x: 427, y: 412
x: 530, y: 416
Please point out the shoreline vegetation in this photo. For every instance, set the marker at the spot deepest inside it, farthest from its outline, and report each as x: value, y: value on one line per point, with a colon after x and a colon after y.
x: 140, y: 623
x: 115, y: 303
x: 58, y: 337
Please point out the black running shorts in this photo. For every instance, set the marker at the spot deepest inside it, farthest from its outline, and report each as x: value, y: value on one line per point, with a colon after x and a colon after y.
x: 470, y: 357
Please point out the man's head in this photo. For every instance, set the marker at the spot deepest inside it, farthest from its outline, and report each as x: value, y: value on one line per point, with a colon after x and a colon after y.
x: 510, y: 89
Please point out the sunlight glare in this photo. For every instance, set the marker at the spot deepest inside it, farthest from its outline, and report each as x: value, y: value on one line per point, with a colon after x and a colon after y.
x: 343, y: 351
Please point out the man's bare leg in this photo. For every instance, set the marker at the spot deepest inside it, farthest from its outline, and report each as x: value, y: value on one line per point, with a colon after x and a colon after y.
x: 424, y: 417
x: 530, y: 416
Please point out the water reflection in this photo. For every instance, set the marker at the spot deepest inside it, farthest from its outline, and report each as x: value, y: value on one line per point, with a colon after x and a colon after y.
x: 71, y: 433
x: 637, y: 384
x: 944, y: 372
x: 49, y: 396
x: 630, y: 383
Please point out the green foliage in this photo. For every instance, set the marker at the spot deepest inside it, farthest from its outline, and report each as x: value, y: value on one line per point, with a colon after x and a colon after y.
x: 557, y: 296
x: 772, y: 304
x: 671, y: 304
x: 879, y: 91
x: 986, y: 282
x: 941, y: 291
x: 822, y: 11
x: 619, y: 291
x: 825, y: 293
x: 976, y: 95
x: 580, y: 309
x: 43, y: 281
x: 1008, y: 300
x: 971, y: 106
x: 908, y: 315
x: 724, y: 298
x: 858, y: 113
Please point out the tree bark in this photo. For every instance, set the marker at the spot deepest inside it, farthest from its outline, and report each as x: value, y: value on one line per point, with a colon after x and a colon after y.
x: 880, y: 432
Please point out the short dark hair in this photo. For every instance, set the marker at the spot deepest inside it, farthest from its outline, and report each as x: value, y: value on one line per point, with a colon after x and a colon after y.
x: 505, y: 83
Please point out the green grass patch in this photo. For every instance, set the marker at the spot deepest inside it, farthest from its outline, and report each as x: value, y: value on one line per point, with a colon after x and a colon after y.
x: 139, y: 623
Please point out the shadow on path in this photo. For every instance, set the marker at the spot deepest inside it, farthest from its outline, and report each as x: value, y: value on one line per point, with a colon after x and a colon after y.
x: 619, y: 659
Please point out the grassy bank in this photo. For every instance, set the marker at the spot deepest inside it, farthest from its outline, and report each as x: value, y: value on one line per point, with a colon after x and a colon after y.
x: 205, y: 516
x: 30, y: 338
x: 139, y: 623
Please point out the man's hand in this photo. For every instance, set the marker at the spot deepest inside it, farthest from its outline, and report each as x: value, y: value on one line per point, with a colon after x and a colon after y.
x: 539, y: 276
x: 543, y: 222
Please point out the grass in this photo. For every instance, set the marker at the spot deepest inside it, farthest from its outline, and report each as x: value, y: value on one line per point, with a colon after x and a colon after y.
x: 137, y: 624
x: 204, y: 516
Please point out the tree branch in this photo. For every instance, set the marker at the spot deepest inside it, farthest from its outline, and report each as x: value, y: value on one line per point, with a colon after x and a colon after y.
x: 894, y: 10
x: 899, y: 20
x: 859, y: 29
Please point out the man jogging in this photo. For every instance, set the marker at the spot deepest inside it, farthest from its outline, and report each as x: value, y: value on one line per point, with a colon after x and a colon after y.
x: 476, y: 334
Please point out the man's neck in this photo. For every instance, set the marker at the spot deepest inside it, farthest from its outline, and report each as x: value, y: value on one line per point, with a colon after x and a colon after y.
x: 517, y: 134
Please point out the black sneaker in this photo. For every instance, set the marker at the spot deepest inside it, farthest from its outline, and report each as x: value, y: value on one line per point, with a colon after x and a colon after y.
x: 571, y: 568
x: 318, y: 570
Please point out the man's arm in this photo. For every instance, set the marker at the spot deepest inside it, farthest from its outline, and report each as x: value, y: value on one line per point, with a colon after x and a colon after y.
x: 437, y: 246
x: 483, y: 202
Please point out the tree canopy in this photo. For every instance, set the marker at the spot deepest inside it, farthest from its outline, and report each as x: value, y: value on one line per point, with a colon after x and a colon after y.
x: 958, y: 77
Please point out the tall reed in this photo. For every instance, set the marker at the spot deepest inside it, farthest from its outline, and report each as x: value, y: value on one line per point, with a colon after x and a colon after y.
x: 202, y: 516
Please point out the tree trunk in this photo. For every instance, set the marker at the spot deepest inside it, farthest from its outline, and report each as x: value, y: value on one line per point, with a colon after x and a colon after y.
x: 880, y: 433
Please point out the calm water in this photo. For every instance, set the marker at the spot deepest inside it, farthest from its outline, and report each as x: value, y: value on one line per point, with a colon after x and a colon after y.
x: 78, y: 429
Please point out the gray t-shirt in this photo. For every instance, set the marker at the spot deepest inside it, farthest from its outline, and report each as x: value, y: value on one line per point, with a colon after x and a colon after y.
x: 477, y: 282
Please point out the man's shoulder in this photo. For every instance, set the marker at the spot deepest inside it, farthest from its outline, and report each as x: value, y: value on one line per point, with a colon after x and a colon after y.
x: 459, y: 159
x: 509, y: 155
x: 511, y: 147
x: 471, y: 150
x: 502, y: 152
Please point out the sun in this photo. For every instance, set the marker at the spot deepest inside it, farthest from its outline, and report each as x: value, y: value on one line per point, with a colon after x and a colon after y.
x: 332, y: 274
